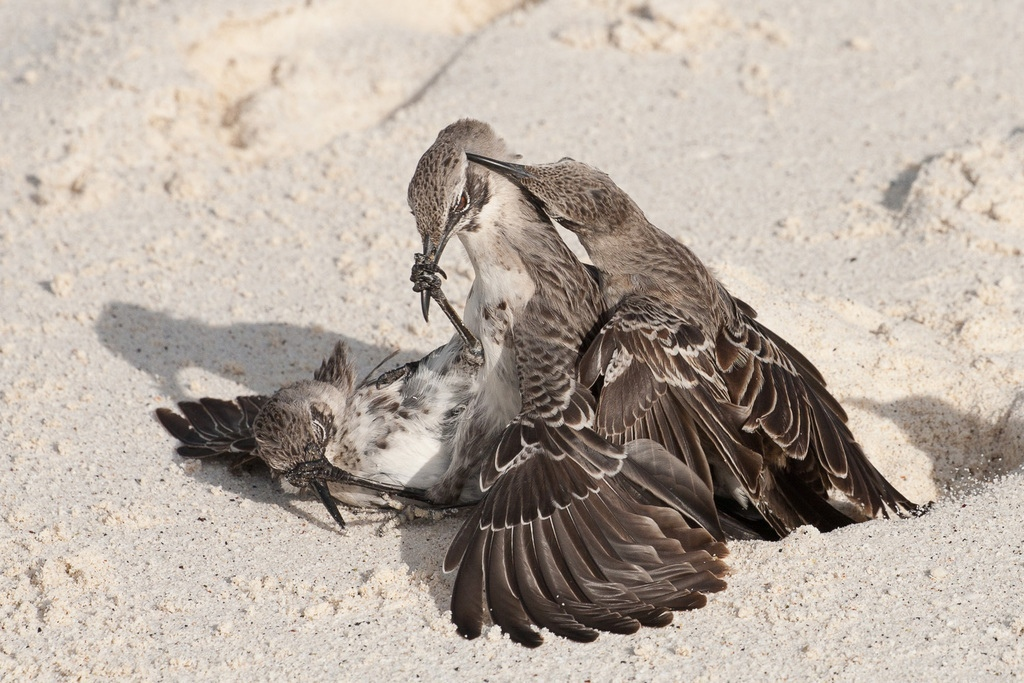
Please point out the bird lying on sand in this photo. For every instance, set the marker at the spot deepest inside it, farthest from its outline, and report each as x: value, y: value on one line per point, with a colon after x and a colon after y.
x: 349, y: 441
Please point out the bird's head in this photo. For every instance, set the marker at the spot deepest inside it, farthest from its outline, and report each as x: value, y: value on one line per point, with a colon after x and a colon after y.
x: 579, y: 197
x: 298, y: 433
x: 293, y: 437
x: 446, y: 193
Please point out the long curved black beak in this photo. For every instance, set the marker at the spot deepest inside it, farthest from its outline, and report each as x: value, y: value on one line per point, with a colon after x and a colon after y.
x: 514, y: 172
x: 315, y: 474
x: 427, y: 259
x: 323, y: 492
x: 425, y: 305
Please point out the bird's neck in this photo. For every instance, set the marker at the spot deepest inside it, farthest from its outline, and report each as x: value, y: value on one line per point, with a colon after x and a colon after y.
x: 642, y: 259
x: 515, y: 251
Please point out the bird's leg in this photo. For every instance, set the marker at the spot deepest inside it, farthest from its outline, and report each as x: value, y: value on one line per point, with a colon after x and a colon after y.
x: 316, y: 474
x: 321, y: 471
x: 426, y: 278
x: 473, y: 350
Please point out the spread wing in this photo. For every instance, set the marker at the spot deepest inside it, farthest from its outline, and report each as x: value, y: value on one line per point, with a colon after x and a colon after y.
x: 740, y: 396
x: 576, y: 534
x: 576, y: 537
x: 659, y: 380
x: 788, y: 404
x: 210, y: 426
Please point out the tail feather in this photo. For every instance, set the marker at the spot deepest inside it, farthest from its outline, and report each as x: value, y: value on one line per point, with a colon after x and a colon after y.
x: 210, y: 427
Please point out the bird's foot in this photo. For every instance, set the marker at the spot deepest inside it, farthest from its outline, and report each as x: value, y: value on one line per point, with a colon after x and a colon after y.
x: 426, y: 275
x: 472, y: 352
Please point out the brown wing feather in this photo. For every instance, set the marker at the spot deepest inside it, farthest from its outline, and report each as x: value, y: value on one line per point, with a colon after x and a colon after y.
x: 542, y: 603
x: 564, y: 540
x: 787, y: 403
x: 660, y: 381
x: 749, y: 399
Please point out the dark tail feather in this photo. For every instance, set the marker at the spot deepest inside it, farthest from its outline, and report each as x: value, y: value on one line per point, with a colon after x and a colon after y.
x: 210, y: 427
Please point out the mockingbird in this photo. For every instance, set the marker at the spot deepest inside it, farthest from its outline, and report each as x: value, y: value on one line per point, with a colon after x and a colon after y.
x: 347, y: 440
x: 574, y: 533
x: 682, y: 361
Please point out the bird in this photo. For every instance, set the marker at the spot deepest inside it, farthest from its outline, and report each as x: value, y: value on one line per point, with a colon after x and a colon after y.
x: 680, y: 360
x: 573, y: 533
x: 360, y: 443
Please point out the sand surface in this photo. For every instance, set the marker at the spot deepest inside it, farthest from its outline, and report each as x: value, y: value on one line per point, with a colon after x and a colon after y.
x: 199, y: 198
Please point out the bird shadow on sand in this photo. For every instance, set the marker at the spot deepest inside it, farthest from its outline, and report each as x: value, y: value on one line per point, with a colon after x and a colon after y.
x: 965, y: 449
x: 263, y: 356
x: 271, y: 355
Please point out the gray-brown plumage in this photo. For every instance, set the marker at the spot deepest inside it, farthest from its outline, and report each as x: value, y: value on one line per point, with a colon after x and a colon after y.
x: 347, y: 440
x: 574, y: 533
x: 683, y: 362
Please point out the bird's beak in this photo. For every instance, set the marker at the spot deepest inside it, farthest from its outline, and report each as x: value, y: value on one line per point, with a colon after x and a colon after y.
x: 324, y: 493
x: 315, y: 474
x: 425, y: 305
x: 514, y: 172
x: 431, y: 256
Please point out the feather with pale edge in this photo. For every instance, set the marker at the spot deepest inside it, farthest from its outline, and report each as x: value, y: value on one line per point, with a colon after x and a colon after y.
x: 749, y: 398
x: 575, y: 536
x: 211, y: 427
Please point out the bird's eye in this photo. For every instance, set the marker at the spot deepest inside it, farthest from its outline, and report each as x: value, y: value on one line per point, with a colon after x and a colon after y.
x: 462, y: 204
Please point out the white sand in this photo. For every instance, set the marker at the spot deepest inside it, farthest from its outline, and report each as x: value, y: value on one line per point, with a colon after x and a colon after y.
x: 198, y: 198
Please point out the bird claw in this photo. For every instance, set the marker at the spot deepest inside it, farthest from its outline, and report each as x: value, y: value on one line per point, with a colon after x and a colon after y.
x: 426, y: 275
